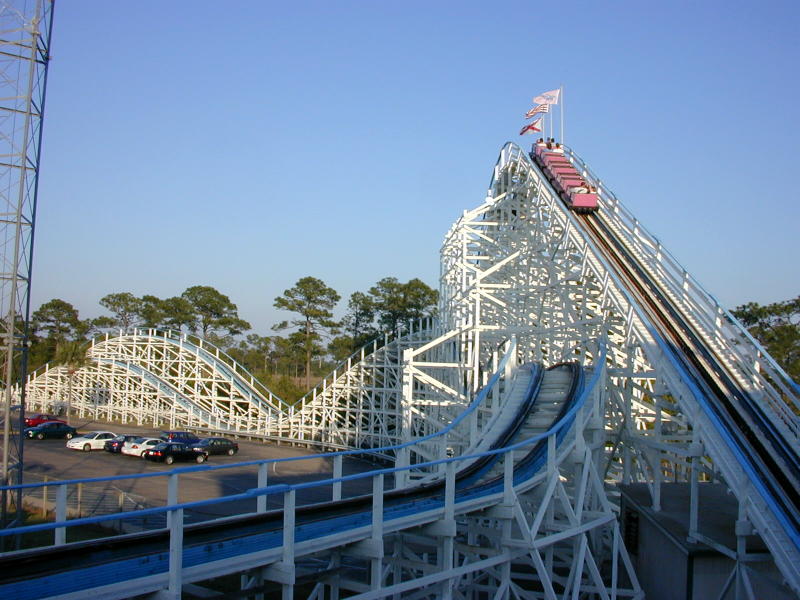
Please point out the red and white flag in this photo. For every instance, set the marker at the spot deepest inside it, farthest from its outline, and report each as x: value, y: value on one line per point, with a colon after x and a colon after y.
x: 533, y: 127
x: 542, y: 108
x: 550, y: 97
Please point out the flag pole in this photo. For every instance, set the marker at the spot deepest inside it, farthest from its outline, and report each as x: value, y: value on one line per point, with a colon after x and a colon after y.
x: 563, y: 140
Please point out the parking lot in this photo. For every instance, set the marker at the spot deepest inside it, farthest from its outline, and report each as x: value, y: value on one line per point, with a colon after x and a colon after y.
x: 50, y: 460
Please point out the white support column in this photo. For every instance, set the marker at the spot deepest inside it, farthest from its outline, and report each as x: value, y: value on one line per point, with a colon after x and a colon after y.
x: 448, y: 541
x: 406, y: 402
x: 61, y: 514
x: 283, y: 571
x: 289, y: 501
x: 376, y: 537
x: 172, y: 494
x: 655, y: 460
x: 261, y: 501
x: 337, y: 473
x: 175, y: 554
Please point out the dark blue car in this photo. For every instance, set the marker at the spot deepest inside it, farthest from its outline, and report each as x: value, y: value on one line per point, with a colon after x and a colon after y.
x: 51, y: 429
x: 216, y: 446
x: 179, y: 436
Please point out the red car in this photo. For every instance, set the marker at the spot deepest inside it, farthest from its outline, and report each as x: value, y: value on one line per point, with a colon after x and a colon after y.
x: 39, y: 418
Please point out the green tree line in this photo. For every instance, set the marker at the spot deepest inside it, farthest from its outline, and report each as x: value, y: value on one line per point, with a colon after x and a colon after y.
x: 311, y: 344
x: 312, y: 341
x: 777, y: 327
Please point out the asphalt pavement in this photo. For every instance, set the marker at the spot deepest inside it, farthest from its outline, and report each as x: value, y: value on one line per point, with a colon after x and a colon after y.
x: 50, y: 460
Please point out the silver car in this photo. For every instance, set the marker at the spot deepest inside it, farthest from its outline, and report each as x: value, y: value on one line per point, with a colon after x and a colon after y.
x: 138, y: 446
x: 94, y: 440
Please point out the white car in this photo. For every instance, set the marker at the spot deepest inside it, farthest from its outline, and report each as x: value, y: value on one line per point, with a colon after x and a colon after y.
x: 138, y: 446
x: 94, y: 440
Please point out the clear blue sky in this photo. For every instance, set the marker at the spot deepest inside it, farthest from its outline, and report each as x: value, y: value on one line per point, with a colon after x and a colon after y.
x: 245, y: 145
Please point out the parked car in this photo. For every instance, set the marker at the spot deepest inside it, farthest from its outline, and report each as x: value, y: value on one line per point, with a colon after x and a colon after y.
x: 39, y: 418
x: 179, y: 436
x: 51, y: 429
x: 115, y: 445
x: 94, y: 440
x: 139, y: 445
x: 216, y: 446
x: 169, y: 452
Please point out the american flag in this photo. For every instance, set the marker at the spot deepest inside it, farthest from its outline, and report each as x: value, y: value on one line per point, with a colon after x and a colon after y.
x: 542, y: 108
x: 535, y: 126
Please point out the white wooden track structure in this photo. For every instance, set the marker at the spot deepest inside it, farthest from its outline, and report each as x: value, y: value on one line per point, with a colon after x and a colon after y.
x: 522, y: 274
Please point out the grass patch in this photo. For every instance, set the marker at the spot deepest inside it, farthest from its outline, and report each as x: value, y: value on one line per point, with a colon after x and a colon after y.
x: 38, y: 539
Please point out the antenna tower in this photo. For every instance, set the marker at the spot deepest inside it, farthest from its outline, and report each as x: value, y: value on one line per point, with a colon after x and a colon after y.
x: 25, y: 29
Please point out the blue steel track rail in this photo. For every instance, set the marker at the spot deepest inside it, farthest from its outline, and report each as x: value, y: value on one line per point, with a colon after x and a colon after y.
x: 214, y: 541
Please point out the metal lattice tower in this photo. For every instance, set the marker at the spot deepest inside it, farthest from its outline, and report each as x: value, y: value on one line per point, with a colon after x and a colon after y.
x: 25, y: 29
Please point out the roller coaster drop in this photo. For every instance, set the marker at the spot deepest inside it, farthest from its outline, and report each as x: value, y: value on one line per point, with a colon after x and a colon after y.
x: 675, y: 391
